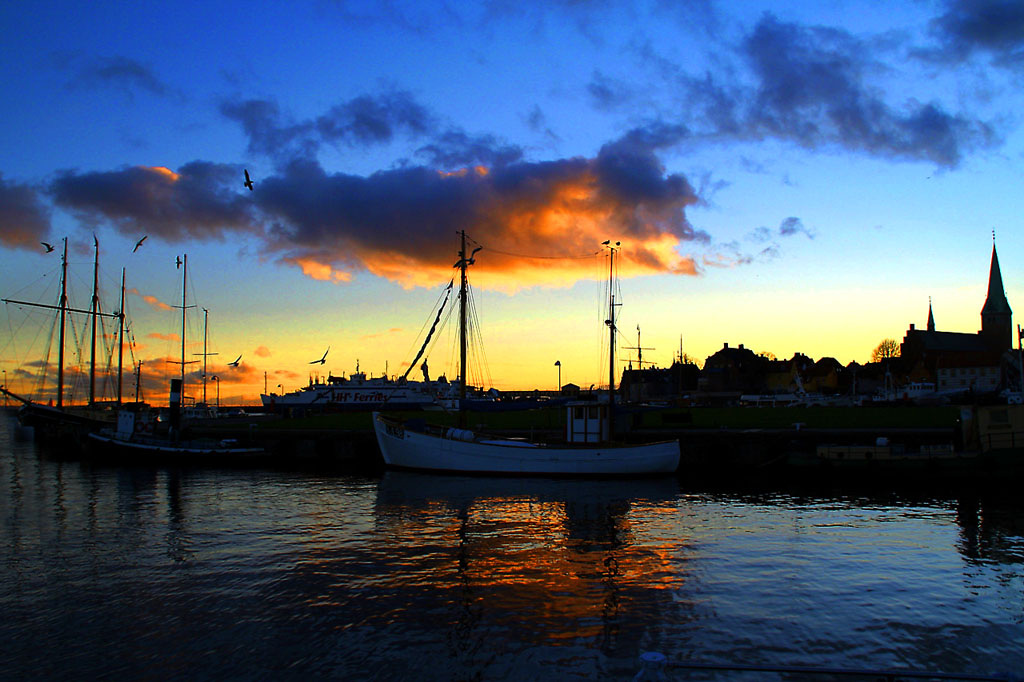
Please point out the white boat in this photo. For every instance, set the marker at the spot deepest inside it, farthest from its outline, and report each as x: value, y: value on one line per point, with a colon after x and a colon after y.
x: 588, y: 450
x: 356, y: 392
x: 460, y: 450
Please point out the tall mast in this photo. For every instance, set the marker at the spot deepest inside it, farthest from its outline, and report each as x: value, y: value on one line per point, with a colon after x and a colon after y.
x: 63, y: 309
x: 183, y: 264
x: 462, y: 323
x: 464, y: 262
x: 611, y: 329
x: 184, y: 289
x: 138, y: 382
x: 63, y: 314
x: 120, y: 341
x: 206, y: 336
x: 94, y: 308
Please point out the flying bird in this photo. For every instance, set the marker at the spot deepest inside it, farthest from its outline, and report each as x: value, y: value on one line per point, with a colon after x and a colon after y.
x: 177, y: 261
x: 248, y: 180
x: 235, y: 363
x: 323, y: 359
x: 138, y: 244
x: 49, y: 247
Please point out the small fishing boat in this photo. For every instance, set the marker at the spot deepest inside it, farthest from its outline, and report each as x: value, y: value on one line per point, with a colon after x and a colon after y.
x: 139, y: 435
x: 588, y: 450
x: 409, y: 446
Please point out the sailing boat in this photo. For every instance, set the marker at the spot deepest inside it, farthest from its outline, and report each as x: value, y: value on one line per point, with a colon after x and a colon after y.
x: 57, y: 420
x: 586, y: 452
x: 135, y: 433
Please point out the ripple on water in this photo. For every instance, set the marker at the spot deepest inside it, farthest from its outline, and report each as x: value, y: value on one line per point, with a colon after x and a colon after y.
x: 168, y: 574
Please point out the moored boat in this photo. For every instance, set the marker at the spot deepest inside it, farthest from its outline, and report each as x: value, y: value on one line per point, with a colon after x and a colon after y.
x: 410, y: 446
x: 141, y: 437
x: 588, y: 450
x: 356, y: 392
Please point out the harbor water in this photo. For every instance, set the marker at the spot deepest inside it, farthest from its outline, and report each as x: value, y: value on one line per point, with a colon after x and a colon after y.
x: 167, y: 573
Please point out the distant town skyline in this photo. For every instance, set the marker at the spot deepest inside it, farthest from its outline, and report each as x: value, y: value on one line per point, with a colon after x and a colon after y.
x: 793, y: 178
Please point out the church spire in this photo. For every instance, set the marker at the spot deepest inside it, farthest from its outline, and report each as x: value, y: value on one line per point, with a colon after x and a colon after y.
x: 931, y: 318
x: 996, y: 314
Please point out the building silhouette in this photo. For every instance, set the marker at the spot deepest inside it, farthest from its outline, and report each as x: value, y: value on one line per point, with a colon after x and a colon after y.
x: 971, y: 364
x: 960, y: 361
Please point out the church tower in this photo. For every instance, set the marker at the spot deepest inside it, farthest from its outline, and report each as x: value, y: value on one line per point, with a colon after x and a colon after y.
x: 996, y: 323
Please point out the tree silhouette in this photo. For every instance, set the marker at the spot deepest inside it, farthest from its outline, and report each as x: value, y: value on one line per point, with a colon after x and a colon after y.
x: 888, y: 348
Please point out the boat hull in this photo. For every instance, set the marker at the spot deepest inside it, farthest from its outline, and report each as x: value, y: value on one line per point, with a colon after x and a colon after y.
x: 166, y: 449
x: 350, y: 400
x: 408, y: 449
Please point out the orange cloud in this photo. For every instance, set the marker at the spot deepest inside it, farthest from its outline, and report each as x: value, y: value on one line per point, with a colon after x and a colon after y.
x: 541, y: 224
x: 262, y: 352
x: 554, y: 242
x: 163, y: 337
x: 167, y: 173
x: 323, y: 272
x: 151, y: 300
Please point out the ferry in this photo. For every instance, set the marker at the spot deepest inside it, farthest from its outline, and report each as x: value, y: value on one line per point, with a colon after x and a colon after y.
x: 357, y: 392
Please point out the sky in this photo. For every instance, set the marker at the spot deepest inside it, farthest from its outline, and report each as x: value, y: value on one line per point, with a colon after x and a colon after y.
x: 794, y: 177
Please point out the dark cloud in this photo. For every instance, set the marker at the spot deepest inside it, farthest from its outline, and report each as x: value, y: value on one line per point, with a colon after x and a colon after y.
x: 200, y: 200
x: 629, y: 169
x: 24, y: 218
x: 374, y: 119
x: 456, y: 149
x: 764, y: 235
x: 363, y: 121
x: 809, y: 89
x: 268, y: 132
x: 537, y: 122
x: 119, y: 72
x: 793, y: 225
x: 992, y: 26
x: 400, y: 222
x: 606, y: 92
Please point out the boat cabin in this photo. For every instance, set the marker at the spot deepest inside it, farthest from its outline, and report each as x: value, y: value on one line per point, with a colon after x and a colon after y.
x: 586, y: 423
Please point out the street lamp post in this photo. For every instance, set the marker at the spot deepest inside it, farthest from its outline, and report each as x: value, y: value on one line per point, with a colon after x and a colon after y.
x: 217, y: 379
x: 1020, y: 359
x: 558, y: 364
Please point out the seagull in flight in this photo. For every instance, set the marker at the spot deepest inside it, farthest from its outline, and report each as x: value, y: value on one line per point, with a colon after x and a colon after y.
x: 248, y: 180
x: 235, y: 363
x: 49, y: 247
x: 138, y: 244
x: 323, y: 359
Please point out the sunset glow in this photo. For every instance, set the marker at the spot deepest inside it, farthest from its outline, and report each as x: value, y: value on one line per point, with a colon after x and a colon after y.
x: 795, y: 179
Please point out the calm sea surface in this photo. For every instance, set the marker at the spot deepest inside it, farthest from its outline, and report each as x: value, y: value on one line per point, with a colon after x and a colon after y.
x: 163, y: 573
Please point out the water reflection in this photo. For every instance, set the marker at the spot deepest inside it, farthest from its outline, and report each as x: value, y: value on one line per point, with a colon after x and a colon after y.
x: 560, y: 555
x: 991, y: 528
x: 119, y: 572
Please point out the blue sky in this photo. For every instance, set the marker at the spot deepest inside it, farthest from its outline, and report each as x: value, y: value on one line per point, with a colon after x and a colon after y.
x: 796, y: 177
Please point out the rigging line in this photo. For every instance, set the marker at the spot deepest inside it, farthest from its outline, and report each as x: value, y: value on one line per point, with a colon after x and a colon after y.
x: 482, y: 370
x: 426, y: 341
x: 443, y: 296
